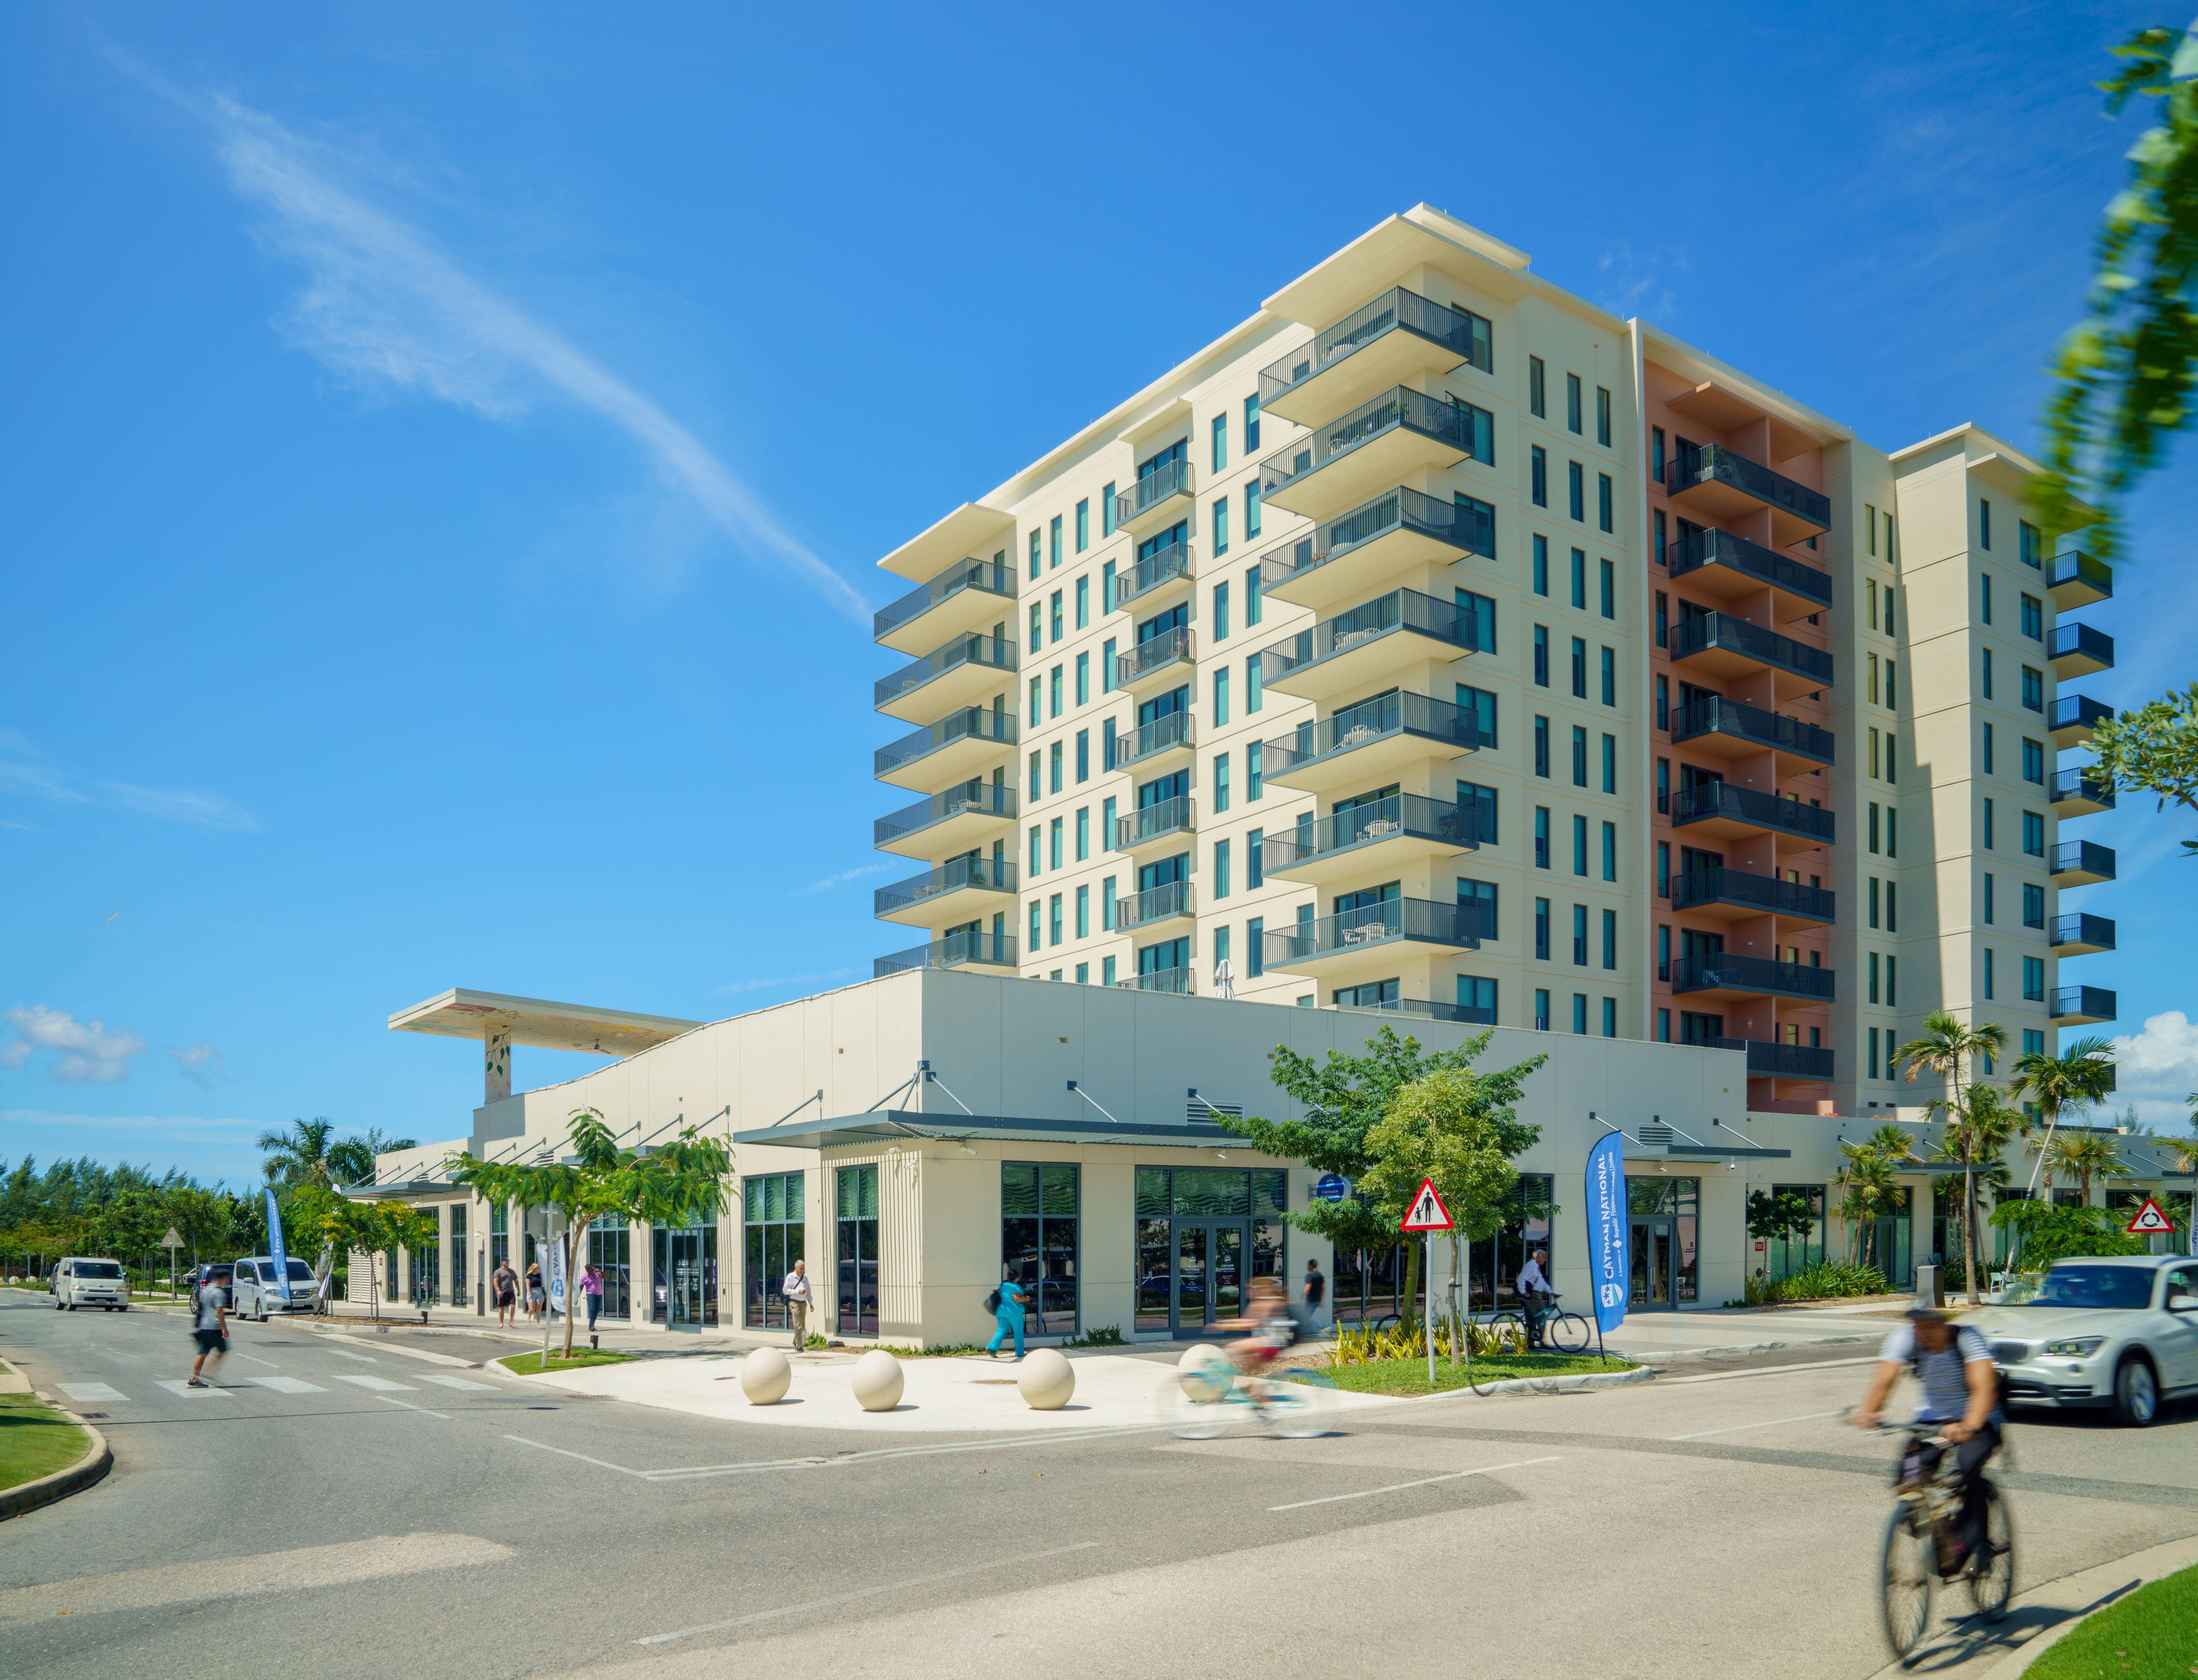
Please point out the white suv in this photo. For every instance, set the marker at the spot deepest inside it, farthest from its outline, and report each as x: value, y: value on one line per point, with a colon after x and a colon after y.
x: 2117, y: 1332
x: 79, y: 1280
x: 255, y: 1288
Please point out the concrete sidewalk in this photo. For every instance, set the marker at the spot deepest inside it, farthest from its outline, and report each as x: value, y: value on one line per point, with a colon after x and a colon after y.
x: 1656, y: 1337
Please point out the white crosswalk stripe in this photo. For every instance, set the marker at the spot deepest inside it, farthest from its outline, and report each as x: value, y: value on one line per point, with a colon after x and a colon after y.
x: 177, y: 1386
x: 378, y: 1384
x: 90, y: 1391
x: 287, y: 1385
x: 459, y: 1382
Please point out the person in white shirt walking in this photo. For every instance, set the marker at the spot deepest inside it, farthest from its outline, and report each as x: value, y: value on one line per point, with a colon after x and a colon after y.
x: 211, y: 1331
x: 1533, y: 1291
x: 796, y: 1291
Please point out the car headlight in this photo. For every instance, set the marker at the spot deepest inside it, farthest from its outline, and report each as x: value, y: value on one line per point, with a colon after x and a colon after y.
x: 2079, y: 1347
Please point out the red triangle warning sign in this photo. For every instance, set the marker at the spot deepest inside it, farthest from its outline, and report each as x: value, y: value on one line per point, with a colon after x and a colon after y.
x: 2149, y: 1218
x: 1428, y: 1212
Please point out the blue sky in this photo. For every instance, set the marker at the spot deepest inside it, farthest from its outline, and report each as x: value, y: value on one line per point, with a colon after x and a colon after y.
x: 447, y: 454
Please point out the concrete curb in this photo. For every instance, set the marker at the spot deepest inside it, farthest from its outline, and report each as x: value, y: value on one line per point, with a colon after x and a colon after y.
x: 1547, y: 1385
x: 1744, y: 1347
x: 15, y: 1502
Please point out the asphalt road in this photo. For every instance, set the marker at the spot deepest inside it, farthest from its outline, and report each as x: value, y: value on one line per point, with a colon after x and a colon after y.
x: 342, y: 1509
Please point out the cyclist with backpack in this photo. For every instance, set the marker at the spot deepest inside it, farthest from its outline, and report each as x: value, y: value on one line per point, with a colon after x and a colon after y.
x: 1960, y: 1402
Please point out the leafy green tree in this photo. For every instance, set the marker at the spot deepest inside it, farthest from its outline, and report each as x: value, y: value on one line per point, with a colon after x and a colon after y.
x: 2155, y: 750
x: 1870, y: 1188
x: 2123, y: 374
x: 298, y: 1154
x: 1946, y: 1045
x: 2085, y: 1155
x: 2048, y: 1233
x: 2077, y: 1080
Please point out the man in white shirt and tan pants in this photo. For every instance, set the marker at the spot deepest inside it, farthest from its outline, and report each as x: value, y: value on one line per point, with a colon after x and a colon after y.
x: 1534, y: 1292
x: 796, y: 1291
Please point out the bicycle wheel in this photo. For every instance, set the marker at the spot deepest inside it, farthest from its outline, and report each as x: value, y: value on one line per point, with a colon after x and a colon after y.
x: 1991, y: 1588
x: 1912, y: 1567
x: 1509, y: 1329
x: 1297, y: 1402
x: 1196, y: 1411
x: 1567, y: 1332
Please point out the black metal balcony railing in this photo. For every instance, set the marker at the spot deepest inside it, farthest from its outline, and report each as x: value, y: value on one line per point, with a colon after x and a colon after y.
x: 1373, y: 720
x: 2082, y: 782
x: 992, y: 950
x: 2079, y: 568
x: 1152, y: 653
x: 1178, y: 981
x: 2065, y: 640
x: 990, y: 651
x: 1399, y: 610
x: 1698, y: 549
x: 1721, y: 631
x: 1422, y: 1008
x: 988, y: 577
x: 1399, y: 817
x: 1156, y: 821
x: 2076, y: 711
x: 970, y: 724
x: 1171, y: 478
x: 1425, y: 920
x: 1714, y: 714
x: 2093, y: 1001
x: 1463, y: 525
x: 2080, y: 928
x: 1463, y: 427
x: 986, y: 875
x: 1731, y: 972
x: 1694, y: 464
x: 1167, y: 903
x: 2082, y: 857
x: 1395, y: 311
x: 1767, y: 1059
x: 1161, y: 566
x: 981, y: 799
x: 1161, y: 735
x: 1718, y: 885
x: 1706, y: 800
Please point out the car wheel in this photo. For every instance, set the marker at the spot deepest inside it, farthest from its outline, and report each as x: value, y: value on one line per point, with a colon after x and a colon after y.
x: 72, y: 1307
x: 2137, y: 1393
x: 57, y: 1306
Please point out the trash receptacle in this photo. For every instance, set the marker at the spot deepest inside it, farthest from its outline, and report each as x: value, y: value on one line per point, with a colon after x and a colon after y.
x: 1929, y: 1291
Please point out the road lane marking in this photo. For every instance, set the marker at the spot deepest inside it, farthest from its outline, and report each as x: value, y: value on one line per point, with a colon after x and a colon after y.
x: 1424, y: 1481
x: 287, y: 1385
x: 89, y: 1390
x: 860, y: 1594
x: 392, y: 1400
x: 176, y: 1385
x: 600, y: 1463
x: 270, y: 1363
x: 1735, y: 1428
x: 346, y: 1354
x: 1042, y: 1437
x: 378, y: 1384
x: 1768, y: 1371
x: 442, y: 1382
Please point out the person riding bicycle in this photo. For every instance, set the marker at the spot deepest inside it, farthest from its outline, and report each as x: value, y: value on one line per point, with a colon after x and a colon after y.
x: 1960, y: 1402
x: 1534, y: 1294
x: 1267, y: 1317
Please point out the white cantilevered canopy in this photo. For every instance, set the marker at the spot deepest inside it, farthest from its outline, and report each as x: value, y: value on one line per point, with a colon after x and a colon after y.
x: 497, y: 1022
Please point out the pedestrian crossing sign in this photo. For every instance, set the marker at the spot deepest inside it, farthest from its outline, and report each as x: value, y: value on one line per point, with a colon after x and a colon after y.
x: 1428, y: 1212
x: 2149, y: 1219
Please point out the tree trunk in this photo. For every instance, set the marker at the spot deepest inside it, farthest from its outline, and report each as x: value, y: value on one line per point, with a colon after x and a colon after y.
x: 1969, y: 1224
x: 1411, y: 1279
x: 574, y: 1235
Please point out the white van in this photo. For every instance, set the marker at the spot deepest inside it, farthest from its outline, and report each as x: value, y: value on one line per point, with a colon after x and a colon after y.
x: 79, y: 1280
x: 255, y: 1288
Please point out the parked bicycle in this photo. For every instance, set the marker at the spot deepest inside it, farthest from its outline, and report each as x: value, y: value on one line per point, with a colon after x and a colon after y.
x: 1922, y: 1542
x: 1562, y: 1331
x: 1199, y: 1401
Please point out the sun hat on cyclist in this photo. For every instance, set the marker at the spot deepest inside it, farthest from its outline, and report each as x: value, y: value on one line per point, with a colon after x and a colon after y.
x: 1919, y: 1314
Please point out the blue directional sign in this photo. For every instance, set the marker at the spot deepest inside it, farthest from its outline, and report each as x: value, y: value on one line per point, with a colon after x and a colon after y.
x: 1331, y: 1188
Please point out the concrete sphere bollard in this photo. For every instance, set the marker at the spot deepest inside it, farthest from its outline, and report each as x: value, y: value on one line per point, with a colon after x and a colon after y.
x: 1196, y: 1359
x: 765, y: 1375
x: 878, y: 1380
x: 1047, y: 1380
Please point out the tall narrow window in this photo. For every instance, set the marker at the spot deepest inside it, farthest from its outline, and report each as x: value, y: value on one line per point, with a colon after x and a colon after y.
x: 1537, y: 486
x: 1221, y: 697
x: 1603, y: 415
x: 1221, y: 526
x: 1253, y: 594
x: 1541, y: 564
x: 1572, y: 402
x: 1220, y: 441
x: 1083, y: 678
x: 1053, y: 552
x: 1538, y: 388
x: 1609, y: 657
x: 1607, y: 573
x: 1083, y: 833
x: 1605, y: 500
x: 1610, y: 764
x: 1084, y: 525
x: 1579, y: 579
x: 1220, y: 783
x: 1106, y: 513
x: 1252, y: 510
x: 1576, y: 491
x: 1221, y: 612
x: 1251, y: 424
x: 1541, y: 657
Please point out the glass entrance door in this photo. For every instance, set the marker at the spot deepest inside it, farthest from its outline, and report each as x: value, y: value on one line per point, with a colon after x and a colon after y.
x: 1209, y: 1273
x: 686, y: 1280
x: 1654, y: 1252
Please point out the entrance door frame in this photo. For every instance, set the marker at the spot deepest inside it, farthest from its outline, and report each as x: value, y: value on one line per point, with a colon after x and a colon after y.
x: 1178, y: 1226
x: 1666, y: 1224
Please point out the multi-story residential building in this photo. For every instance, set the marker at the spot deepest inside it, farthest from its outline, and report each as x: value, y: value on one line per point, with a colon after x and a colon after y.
x: 1436, y: 642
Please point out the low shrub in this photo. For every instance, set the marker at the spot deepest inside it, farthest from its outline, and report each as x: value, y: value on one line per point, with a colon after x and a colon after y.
x: 1107, y: 1335
x: 1406, y: 1339
x: 1827, y: 1280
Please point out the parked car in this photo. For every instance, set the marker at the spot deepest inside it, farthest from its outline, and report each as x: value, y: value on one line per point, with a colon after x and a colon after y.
x: 255, y: 1288
x: 2119, y: 1332
x: 216, y: 1274
x: 81, y: 1281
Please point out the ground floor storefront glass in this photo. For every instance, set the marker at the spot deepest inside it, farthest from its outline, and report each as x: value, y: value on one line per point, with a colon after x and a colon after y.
x: 1782, y: 1256
x: 427, y: 1268
x: 855, y: 1212
x: 1494, y: 1266
x: 610, y: 1252
x: 684, y: 1280
x: 1201, y: 1232
x: 1887, y: 1241
x: 774, y: 1235
x: 1039, y: 1208
x: 1664, y: 1215
x: 458, y: 1296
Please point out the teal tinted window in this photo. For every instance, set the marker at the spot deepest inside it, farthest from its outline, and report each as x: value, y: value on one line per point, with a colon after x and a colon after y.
x: 1153, y: 1202
x: 1211, y: 1190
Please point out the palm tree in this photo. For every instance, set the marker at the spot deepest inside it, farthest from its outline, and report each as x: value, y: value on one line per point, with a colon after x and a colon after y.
x: 1867, y: 1183
x: 2079, y: 1077
x: 352, y: 1159
x: 299, y: 1155
x: 2087, y: 1155
x: 1948, y: 1042
x: 1975, y: 1134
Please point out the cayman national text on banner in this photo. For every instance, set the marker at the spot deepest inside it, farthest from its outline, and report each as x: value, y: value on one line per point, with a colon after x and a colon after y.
x: 1606, y: 1230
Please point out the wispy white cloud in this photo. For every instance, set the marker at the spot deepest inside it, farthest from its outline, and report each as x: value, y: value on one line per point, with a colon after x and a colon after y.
x: 77, y: 1053
x: 774, y: 982
x: 220, y: 1149
x: 845, y: 875
x: 200, y: 1063
x: 383, y: 306
x: 1633, y: 281
x: 23, y: 769
x: 2157, y: 1069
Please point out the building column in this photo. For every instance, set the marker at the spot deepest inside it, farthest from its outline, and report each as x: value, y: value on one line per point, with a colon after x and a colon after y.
x: 495, y: 1061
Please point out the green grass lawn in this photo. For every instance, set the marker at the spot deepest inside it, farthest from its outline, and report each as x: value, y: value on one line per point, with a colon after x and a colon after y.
x: 1409, y: 1376
x: 530, y: 1364
x: 36, y: 1440
x: 2151, y: 1634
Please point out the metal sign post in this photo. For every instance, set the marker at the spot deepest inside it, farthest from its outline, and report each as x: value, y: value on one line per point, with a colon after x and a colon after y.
x: 172, y: 1242
x: 1427, y: 1214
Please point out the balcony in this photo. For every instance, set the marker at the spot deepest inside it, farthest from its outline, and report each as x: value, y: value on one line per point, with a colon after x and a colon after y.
x: 1343, y: 941
x: 1178, y: 982
x: 954, y: 674
x: 1422, y: 1008
x: 1731, y: 812
x: 1367, y: 743
x: 959, y: 891
x: 1156, y: 744
x: 1155, y: 907
x: 1160, y: 497
x: 1738, y: 978
x: 954, y: 821
x: 954, y: 748
x: 960, y: 598
x: 1398, y: 434
x: 2081, y: 1005
x: 2073, y: 718
x: 1341, y: 559
x: 957, y: 951
x: 1723, y: 565
x: 1727, y: 647
x: 1728, y: 894
x: 1151, y: 825
x: 1731, y: 728
x: 1377, y: 346
x: 1399, y: 829
x: 2077, y: 650
x: 2081, y: 935
x: 1158, y: 661
x: 2080, y: 791
x: 2081, y: 862
x: 1709, y: 480
x: 2077, y: 580
x: 1359, y: 649
x: 1156, y: 579
x: 1770, y: 1060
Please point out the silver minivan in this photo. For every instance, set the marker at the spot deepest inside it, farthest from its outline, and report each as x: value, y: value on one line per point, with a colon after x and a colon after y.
x: 255, y: 1288
x: 82, y: 1281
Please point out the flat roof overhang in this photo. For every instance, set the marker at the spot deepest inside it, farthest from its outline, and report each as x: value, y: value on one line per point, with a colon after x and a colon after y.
x: 538, y: 1023
x: 405, y: 1189
x: 897, y: 1125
